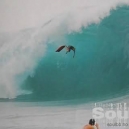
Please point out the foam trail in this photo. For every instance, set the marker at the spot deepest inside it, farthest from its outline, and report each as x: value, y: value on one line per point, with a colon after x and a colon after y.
x: 21, y: 51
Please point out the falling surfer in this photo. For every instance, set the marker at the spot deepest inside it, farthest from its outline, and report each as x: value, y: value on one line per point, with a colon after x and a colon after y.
x: 68, y: 49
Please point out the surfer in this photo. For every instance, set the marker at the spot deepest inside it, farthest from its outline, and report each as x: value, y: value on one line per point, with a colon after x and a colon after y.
x: 91, y: 125
x: 68, y: 49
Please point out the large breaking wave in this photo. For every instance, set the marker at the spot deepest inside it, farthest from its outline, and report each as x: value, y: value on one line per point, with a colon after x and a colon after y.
x: 29, y: 64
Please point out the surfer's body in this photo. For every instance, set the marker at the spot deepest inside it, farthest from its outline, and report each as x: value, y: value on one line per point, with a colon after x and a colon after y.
x: 91, y: 125
x: 68, y: 49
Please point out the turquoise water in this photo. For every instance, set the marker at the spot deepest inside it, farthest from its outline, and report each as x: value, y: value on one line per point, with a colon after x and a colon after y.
x: 43, y: 89
x: 98, y: 71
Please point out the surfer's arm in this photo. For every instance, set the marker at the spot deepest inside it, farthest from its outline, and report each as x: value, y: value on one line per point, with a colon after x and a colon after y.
x: 85, y: 127
x: 67, y: 49
x: 97, y: 126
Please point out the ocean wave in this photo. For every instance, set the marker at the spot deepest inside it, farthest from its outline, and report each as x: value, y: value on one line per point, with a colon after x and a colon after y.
x: 28, y: 61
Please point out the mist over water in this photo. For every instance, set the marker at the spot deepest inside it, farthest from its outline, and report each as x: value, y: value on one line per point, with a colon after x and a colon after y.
x: 31, y: 70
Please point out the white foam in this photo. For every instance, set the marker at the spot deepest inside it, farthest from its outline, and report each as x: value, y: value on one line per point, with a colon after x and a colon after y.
x: 16, y: 15
x: 21, y: 51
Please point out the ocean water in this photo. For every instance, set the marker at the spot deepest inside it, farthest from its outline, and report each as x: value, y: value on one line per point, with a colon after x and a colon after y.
x: 55, y: 115
x: 40, y: 88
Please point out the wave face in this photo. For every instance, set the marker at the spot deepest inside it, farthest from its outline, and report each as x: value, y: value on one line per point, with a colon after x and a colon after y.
x: 99, y: 69
x: 30, y: 69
